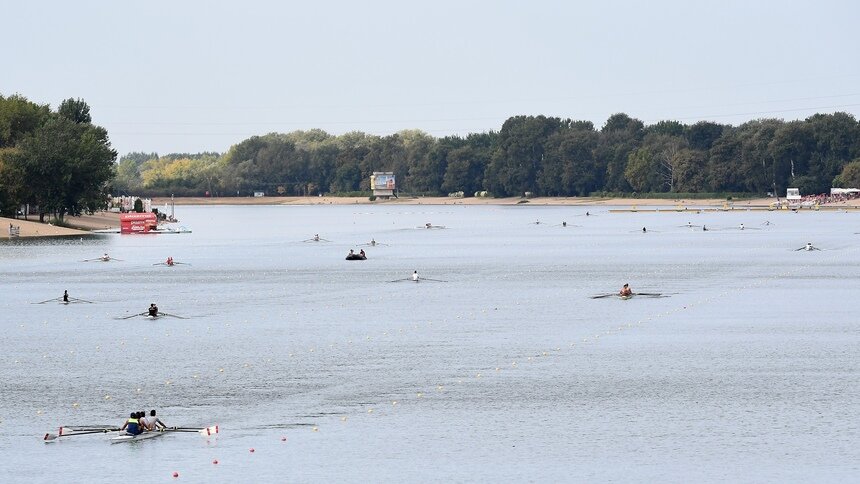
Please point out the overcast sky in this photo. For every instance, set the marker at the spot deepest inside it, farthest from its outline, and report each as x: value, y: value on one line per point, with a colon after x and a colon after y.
x: 190, y: 76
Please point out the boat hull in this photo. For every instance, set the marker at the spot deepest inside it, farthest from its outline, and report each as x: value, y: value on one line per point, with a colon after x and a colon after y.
x: 134, y: 438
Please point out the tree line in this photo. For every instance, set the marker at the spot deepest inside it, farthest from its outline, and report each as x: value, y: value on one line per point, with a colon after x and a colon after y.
x: 55, y: 161
x: 546, y: 156
x: 63, y: 163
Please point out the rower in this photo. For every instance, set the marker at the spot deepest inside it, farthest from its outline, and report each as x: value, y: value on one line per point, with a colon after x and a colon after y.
x: 415, y: 276
x: 170, y: 260
x: 351, y: 253
x: 625, y: 291
x: 809, y: 246
x: 105, y: 257
x: 152, y: 422
x: 132, y: 425
x: 564, y: 224
x: 704, y: 228
x: 587, y: 214
x: 689, y: 224
x: 153, y: 310
x: 362, y: 254
x: 65, y: 296
x: 428, y: 225
x: 316, y: 237
x: 643, y: 230
x: 373, y: 242
x: 741, y: 227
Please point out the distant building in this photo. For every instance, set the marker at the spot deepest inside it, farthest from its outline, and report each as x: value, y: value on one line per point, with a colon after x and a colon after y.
x: 793, y: 194
x: 383, y: 184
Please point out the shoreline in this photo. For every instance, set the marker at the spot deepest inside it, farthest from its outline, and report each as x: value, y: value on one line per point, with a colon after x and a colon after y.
x: 84, y: 224
x: 538, y: 201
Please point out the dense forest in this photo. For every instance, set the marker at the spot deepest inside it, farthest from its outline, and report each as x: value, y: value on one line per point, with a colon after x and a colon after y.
x: 62, y: 163
x: 542, y: 155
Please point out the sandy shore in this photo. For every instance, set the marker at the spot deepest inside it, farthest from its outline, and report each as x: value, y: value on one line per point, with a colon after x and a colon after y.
x: 615, y: 202
x: 36, y: 229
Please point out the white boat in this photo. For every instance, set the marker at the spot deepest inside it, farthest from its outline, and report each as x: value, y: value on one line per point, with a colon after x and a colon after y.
x: 172, y: 230
x: 125, y: 437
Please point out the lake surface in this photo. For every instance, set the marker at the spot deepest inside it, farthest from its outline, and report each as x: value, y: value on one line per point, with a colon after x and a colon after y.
x: 507, y: 371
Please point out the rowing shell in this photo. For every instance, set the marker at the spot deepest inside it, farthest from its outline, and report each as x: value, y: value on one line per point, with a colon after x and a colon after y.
x: 134, y: 438
x: 206, y: 431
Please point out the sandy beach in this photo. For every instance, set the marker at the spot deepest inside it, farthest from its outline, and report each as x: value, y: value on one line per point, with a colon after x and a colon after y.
x: 36, y: 229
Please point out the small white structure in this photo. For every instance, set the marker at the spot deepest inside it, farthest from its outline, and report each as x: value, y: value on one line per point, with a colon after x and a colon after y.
x: 844, y: 191
x: 259, y: 194
x: 383, y: 183
x: 792, y: 195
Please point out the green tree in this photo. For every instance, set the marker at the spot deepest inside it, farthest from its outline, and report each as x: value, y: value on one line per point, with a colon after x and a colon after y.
x: 75, y: 110
x: 19, y: 118
x: 570, y: 167
x: 68, y: 166
x: 703, y: 135
x: 518, y: 158
x: 850, y: 176
x: 641, y: 170
x: 620, y: 136
x: 11, y: 182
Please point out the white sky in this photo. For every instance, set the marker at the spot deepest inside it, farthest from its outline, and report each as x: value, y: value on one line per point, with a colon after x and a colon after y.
x: 190, y: 76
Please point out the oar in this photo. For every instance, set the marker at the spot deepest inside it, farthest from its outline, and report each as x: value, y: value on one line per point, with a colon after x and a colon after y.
x: 80, y: 428
x: 49, y: 436
x: 203, y: 431
x: 133, y: 315
x: 399, y: 280
x: 48, y: 300
x: 171, y: 315
x: 431, y: 280
x: 79, y: 300
x: 601, y: 296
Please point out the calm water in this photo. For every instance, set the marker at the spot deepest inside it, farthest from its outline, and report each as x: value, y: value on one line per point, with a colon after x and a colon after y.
x: 506, y: 372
